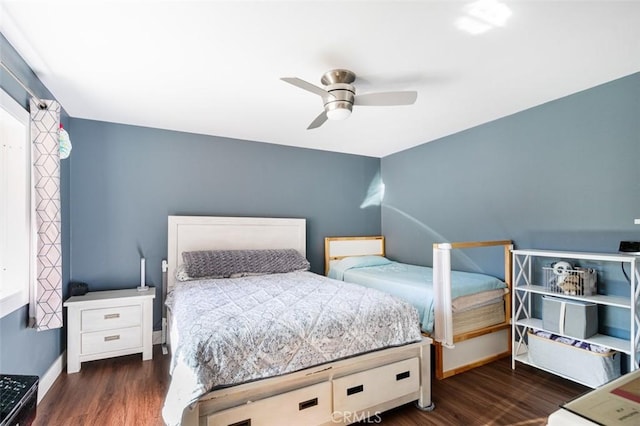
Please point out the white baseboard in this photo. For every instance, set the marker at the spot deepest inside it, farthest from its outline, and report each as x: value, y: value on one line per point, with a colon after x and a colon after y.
x: 58, y: 365
x: 156, y: 338
x: 51, y: 375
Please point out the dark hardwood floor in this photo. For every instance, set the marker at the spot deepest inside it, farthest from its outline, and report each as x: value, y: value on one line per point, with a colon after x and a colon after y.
x: 128, y: 391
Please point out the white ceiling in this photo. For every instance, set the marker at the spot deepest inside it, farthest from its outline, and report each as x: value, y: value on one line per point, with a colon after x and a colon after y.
x: 214, y: 67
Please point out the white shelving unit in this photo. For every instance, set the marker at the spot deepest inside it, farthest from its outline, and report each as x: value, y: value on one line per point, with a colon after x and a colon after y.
x: 524, y: 287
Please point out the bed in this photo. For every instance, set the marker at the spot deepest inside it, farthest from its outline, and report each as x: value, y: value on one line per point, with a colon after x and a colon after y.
x: 238, y: 356
x: 467, y: 314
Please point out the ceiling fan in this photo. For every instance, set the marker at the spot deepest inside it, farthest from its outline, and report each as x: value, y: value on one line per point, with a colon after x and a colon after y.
x: 339, y: 96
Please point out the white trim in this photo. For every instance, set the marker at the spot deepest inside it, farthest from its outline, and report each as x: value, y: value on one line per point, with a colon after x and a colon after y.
x: 156, y: 337
x: 57, y: 367
x: 13, y: 107
x: 49, y: 378
x: 356, y: 247
x: 12, y: 299
x: 443, y: 313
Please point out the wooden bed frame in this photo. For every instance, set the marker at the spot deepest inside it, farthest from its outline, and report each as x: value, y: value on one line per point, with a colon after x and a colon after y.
x: 470, y: 349
x: 283, y: 398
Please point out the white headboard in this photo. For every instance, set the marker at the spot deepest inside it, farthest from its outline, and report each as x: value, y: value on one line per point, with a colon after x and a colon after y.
x: 190, y: 233
x: 336, y: 248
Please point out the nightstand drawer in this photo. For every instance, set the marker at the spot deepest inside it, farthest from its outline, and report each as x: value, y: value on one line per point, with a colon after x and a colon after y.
x: 110, y: 340
x: 110, y: 318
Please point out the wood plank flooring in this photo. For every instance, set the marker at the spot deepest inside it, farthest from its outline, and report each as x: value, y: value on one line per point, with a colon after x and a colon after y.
x: 127, y: 391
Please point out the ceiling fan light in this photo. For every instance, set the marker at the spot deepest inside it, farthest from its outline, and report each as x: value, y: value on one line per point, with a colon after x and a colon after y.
x: 338, y: 114
x: 341, y: 109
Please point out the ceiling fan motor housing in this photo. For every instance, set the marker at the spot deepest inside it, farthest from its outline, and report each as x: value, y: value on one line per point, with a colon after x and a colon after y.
x: 338, y: 76
x: 342, y: 97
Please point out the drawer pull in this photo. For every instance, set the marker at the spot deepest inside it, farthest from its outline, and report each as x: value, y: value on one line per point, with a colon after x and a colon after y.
x: 111, y: 316
x: 110, y: 338
x: 307, y: 404
x: 355, y: 389
x: 242, y: 423
x: 404, y: 375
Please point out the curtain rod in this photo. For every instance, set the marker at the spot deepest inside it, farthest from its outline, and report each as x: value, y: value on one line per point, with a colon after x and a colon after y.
x: 40, y: 102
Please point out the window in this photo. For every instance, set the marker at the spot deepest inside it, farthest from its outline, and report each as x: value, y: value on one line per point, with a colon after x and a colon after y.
x: 15, y: 205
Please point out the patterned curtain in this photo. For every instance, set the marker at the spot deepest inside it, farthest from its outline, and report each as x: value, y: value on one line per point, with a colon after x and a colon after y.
x: 45, y: 307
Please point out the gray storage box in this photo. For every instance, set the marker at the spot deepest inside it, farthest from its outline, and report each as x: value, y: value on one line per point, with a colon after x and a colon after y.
x: 569, y: 317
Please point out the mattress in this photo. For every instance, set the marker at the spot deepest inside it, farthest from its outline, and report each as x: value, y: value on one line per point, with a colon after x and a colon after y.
x: 480, y: 317
x: 414, y: 283
x: 230, y: 331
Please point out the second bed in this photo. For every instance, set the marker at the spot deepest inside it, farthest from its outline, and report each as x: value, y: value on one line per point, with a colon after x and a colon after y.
x: 466, y: 313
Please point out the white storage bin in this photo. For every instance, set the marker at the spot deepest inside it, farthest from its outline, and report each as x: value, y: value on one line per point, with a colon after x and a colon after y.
x: 582, y: 365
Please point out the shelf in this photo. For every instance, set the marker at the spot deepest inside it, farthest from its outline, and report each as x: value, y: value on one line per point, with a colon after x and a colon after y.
x: 620, y: 302
x: 620, y: 345
x: 524, y: 285
x: 608, y: 257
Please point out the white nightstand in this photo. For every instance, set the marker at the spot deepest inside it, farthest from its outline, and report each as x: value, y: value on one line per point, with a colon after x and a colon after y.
x: 104, y: 324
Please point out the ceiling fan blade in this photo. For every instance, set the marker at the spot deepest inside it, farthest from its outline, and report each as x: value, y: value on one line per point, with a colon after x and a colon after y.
x: 386, y: 98
x: 307, y: 86
x: 319, y: 121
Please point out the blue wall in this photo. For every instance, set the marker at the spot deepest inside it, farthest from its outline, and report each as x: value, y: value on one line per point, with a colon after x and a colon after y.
x: 121, y: 182
x: 24, y: 350
x: 564, y: 175
x: 126, y: 180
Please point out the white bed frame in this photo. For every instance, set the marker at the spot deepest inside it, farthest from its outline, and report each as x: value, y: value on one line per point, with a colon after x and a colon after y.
x: 453, y: 354
x: 266, y: 400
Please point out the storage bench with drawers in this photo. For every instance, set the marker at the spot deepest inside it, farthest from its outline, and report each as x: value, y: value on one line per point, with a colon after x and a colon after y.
x: 341, y: 400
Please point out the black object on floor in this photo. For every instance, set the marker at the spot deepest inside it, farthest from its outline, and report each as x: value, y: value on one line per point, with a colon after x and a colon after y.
x: 18, y: 399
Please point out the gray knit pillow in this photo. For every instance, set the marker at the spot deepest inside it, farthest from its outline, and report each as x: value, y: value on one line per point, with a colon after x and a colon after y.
x: 232, y: 263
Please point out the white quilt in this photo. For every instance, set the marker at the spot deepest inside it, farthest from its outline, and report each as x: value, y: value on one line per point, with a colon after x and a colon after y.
x: 230, y: 331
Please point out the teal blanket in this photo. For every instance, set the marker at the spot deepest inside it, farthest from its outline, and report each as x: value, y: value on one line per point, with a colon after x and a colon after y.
x: 411, y: 283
